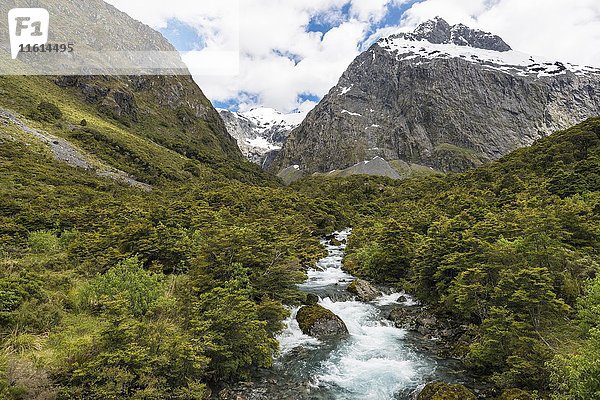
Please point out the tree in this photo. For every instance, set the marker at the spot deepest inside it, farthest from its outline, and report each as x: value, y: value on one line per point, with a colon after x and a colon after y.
x: 140, y: 289
x: 237, y: 340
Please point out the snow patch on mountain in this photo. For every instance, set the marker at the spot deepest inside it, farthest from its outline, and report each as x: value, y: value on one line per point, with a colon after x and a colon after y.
x: 510, y: 61
x: 267, y: 118
x: 351, y: 113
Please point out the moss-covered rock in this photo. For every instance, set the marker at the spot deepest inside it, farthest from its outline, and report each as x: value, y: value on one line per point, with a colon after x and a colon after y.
x: 318, y: 321
x: 311, y: 299
x: 363, y: 290
x: 514, y: 394
x: 445, y: 391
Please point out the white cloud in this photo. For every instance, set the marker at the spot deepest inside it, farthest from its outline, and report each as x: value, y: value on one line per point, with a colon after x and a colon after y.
x: 270, y: 33
x: 279, y: 60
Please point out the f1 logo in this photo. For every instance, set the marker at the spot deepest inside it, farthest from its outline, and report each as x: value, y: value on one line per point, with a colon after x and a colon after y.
x: 28, y: 26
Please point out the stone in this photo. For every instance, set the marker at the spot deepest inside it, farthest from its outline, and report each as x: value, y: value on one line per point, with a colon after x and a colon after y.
x: 426, y: 324
x: 320, y: 322
x: 418, y: 320
x: 363, y: 290
x: 311, y: 299
x: 403, y: 318
x: 445, y: 391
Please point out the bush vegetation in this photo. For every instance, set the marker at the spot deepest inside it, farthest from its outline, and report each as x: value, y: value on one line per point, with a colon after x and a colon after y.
x: 112, y: 292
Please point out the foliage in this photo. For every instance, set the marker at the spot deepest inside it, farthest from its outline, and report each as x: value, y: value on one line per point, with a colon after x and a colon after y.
x: 505, y: 248
x: 111, y: 292
x: 445, y: 391
x: 577, y: 375
x: 47, y: 112
x: 237, y: 340
x: 43, y: 242
x: 128, y: 281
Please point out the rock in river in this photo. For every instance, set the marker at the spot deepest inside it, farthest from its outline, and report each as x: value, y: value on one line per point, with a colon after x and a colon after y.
x: 363, y: 290
x: 319, y: 322
x: 311, y: 299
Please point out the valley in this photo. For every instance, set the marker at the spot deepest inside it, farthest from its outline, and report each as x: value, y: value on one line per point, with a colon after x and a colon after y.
x: 428, y: 231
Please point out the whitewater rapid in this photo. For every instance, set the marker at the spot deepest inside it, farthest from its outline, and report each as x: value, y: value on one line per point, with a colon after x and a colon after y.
x: 375, y: 361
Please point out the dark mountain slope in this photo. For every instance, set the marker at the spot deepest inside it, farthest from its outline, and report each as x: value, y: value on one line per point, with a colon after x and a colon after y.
x: 446, y: 97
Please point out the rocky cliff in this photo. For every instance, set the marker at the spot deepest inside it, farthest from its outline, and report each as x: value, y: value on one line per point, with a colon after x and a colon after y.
x: 446, y: 97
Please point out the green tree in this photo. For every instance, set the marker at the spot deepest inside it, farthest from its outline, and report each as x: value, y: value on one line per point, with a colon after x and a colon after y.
x: 129, y: 281
x: 237, y: 340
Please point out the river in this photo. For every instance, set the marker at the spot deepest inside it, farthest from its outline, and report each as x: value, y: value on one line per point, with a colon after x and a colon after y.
x: 376, y: 361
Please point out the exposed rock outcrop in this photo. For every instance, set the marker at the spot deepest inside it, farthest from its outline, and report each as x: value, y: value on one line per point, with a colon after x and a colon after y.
x: 363, y: 290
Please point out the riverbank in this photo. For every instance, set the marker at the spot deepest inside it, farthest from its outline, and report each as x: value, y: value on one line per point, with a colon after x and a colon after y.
x: 377, y: 360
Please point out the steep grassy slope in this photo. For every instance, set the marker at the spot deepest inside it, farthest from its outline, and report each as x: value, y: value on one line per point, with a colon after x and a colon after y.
x: 149, y: 132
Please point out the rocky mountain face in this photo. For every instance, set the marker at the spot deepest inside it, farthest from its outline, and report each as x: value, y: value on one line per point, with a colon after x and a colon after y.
x: 261, y: 132
x: 442, y: 97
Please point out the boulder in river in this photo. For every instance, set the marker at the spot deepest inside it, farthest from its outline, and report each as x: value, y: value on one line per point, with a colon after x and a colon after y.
x: 320, y: 322
x: 363, y: 290
x: 416, y: 319
x: 445, y: 391
x: 335, y: 242
x: 311, y: 299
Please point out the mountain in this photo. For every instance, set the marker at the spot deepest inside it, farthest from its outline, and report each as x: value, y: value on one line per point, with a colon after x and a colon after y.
x: 152, y: 128
x: 260, y: 132
x: 444, y: 97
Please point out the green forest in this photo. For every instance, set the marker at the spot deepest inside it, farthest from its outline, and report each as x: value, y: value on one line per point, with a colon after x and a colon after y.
x: 109, y: 291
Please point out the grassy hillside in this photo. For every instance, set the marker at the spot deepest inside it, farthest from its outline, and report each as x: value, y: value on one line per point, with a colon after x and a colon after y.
x: 149, y: 133
x: 113, y: 291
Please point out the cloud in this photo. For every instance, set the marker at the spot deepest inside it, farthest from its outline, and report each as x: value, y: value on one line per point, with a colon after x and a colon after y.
x: 289, y: 49
x: 280, y: 57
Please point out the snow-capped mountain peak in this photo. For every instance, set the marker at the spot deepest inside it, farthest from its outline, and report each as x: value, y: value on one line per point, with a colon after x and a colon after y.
x: 443, y: 97
x: 436, y: 39
x: 261, y: 132
x: 438, y: 31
